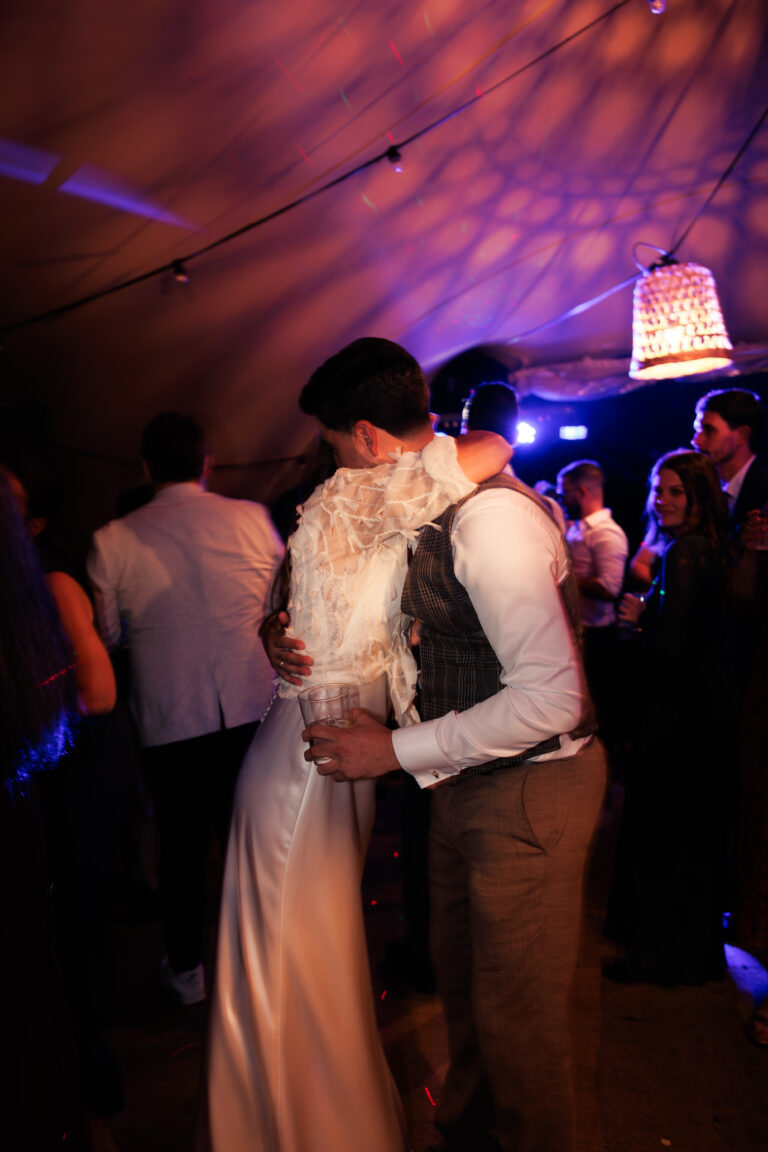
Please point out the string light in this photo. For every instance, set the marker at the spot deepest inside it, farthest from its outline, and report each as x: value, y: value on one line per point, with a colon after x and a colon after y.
x: 299, y: 201
x: 395, y: 157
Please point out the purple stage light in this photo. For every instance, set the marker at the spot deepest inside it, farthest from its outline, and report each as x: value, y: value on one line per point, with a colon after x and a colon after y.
x: 93, y: 183
x: 21, y: 162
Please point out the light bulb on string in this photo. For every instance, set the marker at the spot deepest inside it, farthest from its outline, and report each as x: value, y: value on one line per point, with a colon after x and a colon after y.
x: 395, y: 157
x: 657, y: 6
x: 180, y: 274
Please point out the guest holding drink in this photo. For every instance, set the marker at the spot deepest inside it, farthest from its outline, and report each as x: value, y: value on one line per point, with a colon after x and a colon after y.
x: 667, y: 900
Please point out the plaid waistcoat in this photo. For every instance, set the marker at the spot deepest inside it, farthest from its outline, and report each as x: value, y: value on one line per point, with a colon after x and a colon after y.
x: 459, y: 667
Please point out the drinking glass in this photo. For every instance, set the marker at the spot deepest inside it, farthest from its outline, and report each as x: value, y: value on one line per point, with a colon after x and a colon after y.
x: 329, y: 704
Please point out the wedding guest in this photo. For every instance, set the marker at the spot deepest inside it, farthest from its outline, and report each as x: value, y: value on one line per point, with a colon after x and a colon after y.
x: 667, y: 901
x: 40, y: 1092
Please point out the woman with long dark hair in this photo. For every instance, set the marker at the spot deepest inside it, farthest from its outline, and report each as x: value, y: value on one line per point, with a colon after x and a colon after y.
x: 38, y: 684
x: 667, y: 901
x: 40, y: 1098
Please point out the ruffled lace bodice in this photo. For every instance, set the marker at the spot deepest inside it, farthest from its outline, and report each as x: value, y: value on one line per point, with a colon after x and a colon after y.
x: 349, y: 557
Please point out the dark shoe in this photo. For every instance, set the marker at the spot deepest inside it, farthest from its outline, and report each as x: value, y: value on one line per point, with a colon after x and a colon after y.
x: 102, y: 1081
x: 619, y: 972
x: 416, y: 971
x: 479, y: 1144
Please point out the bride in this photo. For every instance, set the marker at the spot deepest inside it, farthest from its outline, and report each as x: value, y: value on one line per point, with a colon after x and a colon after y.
x: 294, y: 1060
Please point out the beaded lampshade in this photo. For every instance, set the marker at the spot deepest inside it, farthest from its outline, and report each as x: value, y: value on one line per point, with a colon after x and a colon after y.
x: 677, y: 325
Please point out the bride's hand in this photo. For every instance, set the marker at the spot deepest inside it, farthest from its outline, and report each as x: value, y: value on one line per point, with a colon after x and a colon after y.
x: 286, y: 653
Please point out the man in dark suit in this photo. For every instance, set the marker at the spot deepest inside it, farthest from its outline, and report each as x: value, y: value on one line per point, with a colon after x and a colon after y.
x: 727, y: 428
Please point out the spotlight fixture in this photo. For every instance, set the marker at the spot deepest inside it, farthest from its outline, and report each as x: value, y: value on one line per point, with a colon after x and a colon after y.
x: 574, y: 432
x: 677, y: 325
x: 526, y: 433
x: 395, y: 157
x: 180, y: 274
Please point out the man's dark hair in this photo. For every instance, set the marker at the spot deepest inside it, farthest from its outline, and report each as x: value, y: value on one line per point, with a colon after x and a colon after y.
x: 371, y: 379
x: 586, y: 472
x: 174, y: 448
x: 493, y: 407
x: 738, y: 407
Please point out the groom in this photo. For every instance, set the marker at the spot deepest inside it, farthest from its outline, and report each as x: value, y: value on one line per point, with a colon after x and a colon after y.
x: 518, y: 782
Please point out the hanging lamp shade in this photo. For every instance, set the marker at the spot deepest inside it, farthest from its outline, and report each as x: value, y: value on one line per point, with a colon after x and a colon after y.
x: 677, y: 325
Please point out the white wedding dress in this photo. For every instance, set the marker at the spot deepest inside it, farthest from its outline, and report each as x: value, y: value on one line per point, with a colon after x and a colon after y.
x: 294, y: 1060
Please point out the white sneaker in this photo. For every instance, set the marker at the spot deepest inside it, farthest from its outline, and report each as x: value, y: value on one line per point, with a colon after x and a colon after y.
x: 187, y: 987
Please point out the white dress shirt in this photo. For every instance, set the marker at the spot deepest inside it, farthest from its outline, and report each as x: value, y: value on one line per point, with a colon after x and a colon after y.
x: 733, y: 487
x: 599, y: 550
x: 510, y: 558
x: 185, y: 580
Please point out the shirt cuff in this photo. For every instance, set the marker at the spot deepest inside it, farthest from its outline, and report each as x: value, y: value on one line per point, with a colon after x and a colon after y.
x: 418, y: 752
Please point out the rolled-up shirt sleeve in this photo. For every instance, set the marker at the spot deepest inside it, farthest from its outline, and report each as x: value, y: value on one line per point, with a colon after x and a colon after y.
x: 511, y: 559
x: 610, y: 548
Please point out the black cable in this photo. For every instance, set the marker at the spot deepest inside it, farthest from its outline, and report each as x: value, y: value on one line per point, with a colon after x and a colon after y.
x: 666, y: 257
x: 722, y: 179
x: 171, y: 265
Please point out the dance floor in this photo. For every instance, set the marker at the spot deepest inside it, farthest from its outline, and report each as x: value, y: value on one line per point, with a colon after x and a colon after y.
x: 655, y: 1068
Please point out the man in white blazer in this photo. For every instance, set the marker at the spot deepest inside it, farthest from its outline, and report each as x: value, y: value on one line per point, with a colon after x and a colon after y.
x: 183, y: 582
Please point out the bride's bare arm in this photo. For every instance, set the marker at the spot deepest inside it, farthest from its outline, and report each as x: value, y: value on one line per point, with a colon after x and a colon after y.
x: 482, y: 454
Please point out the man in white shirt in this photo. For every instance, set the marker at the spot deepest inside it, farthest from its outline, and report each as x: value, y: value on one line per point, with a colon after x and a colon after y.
x: 599, y: 546
x: 518, y: 783
x: 599, y: 550
x: 727, y: 428
x: 183, y: 581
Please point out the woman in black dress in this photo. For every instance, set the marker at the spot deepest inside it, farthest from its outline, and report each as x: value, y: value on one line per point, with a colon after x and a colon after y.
x: 667, y: 901
x: 40, y: 1095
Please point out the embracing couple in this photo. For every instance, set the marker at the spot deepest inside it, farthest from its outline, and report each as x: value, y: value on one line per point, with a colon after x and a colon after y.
x: 294, y: 1059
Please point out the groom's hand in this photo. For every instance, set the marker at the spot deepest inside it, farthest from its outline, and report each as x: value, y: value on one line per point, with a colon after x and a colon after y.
x: 355, y: 753
x: 285, y: 653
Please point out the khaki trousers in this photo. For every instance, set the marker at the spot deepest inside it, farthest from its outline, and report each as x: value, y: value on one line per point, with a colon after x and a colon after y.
x: 507, y: 858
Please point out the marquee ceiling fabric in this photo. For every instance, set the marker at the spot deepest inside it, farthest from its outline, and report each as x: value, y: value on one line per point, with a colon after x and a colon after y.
x: 134, y: 135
